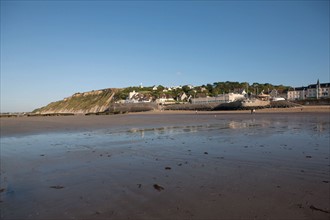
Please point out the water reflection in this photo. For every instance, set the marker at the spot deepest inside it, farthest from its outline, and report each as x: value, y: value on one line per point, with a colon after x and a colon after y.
x: 254, y: 127
x: 251, y: 126
x: 248, y: 124
x: 321, y: 127
x: 169, y: 130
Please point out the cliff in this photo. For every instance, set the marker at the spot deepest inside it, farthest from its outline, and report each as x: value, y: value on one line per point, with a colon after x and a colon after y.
x: 81, y: 103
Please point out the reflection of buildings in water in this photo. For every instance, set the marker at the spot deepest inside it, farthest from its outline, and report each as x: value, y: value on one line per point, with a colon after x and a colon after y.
x: 321, y: 127
x: 252, y: 125
x: 134, y: 130
x: 175, y: 130
x: 237, y: 125
x: 137, y: 130
x: 286, y: 125
x: 241, y: 124
x: 248, y: 124
x: 165, y: 130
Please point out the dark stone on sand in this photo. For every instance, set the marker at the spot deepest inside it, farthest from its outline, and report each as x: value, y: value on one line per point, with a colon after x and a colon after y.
x: 318, y: 209
x: 57, y: 187
x: 158, y: 187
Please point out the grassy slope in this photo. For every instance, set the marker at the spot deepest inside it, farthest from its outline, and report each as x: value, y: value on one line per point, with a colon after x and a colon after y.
x: 79, y: 102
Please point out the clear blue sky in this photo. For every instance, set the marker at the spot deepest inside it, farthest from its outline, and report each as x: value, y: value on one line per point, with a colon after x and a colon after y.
x: 52, y: 49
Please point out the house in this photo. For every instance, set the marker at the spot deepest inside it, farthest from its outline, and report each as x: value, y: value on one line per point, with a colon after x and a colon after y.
x: 312, y: 91
x: 273, y: 93
x: 135, y: 97
x: 131, y: 94
x: 263, y: 96
x: 203, y: 89
x: 325, y: 90
x: 165, y: 99
x: 297, y: 93
x: 243, y: 92
x: 318, y: 90
x: 223, y: 98
x: 176, y: 87
x: 182, y: 97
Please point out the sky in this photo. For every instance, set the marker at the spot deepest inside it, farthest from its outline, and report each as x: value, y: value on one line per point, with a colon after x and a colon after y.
x: 53, y: 49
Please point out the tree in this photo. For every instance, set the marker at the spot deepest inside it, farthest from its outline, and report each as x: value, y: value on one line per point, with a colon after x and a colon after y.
x: 186, y: 88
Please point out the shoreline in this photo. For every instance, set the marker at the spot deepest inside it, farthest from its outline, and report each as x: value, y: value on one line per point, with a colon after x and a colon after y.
x: 313, y: 109
x: 305, y: 108
x: 18, y: 126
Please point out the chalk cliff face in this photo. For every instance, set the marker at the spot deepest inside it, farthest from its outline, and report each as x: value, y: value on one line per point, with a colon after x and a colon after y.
x: 81, y: 103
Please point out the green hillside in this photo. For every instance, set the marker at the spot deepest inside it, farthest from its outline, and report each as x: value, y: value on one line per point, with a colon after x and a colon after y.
x: 94, y: 101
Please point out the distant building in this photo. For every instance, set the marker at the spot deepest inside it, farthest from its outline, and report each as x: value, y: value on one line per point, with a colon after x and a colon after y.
x: 318, y: 90
x: 223, y: 98
x: 273, y: 93
x: 203, y: 89
x: 131, y: 94
x: 135, y: 97
x: 165, y: 99
x: 182, y: 97
x: 312, y: 91
x: 297, y: 93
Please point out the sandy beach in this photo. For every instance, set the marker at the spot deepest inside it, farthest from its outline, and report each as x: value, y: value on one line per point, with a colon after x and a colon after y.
x: 168, y: 165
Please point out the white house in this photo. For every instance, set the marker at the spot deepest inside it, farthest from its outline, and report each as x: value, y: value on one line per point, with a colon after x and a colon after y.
x: 135, y: 97
x: 131, y: 94
x: 223, y: 98
x: 317, y: 91
x: 297, y: 93
x: 165, y: 101
x: 183, y: 97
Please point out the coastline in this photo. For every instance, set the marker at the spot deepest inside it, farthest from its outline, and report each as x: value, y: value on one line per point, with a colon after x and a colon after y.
x: 16, y: 126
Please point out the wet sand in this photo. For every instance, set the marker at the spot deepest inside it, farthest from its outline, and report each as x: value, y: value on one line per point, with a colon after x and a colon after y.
x: 172, y: 165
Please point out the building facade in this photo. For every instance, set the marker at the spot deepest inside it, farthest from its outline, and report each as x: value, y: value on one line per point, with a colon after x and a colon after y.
x: 312, y: 91
x: 298, y: 93
x: 223, y: 98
